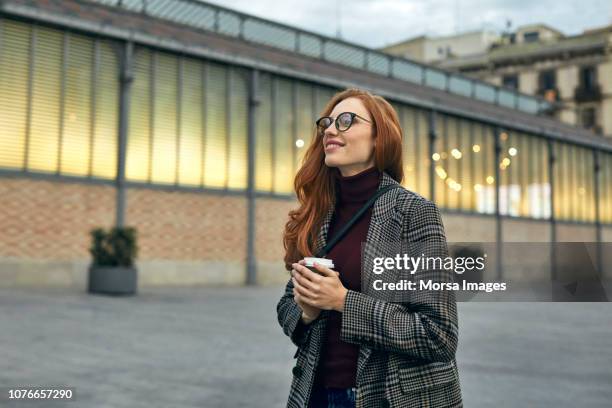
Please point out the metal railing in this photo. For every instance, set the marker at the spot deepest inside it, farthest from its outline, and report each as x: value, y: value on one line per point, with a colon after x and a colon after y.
x: 201, y: 15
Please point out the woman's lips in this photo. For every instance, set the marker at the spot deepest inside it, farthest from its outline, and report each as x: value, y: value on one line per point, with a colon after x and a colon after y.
x: 332, y: 147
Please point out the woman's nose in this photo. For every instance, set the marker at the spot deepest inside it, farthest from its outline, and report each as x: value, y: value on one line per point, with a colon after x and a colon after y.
x: 331, y: 130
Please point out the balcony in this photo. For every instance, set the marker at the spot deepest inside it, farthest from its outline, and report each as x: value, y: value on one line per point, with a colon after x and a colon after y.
x: 591, y: 94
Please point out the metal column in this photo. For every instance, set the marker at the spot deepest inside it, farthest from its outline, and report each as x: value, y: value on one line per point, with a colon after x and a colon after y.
x: 125, y: 81
x: 251, y: 278
x: 498, y: 218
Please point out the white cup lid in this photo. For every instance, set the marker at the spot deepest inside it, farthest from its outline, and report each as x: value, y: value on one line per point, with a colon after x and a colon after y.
x: 323, y: 261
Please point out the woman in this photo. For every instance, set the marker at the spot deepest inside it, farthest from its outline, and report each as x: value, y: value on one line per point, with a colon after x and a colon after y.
x: 356, y: 349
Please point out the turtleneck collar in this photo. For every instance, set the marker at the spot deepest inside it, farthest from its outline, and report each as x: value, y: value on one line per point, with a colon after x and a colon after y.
x: 359, y: 187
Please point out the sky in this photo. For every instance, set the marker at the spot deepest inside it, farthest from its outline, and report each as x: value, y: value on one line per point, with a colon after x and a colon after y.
x: 376, y: 23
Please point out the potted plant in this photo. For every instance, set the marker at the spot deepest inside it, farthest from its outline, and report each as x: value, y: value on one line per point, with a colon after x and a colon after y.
x: 112, y: 270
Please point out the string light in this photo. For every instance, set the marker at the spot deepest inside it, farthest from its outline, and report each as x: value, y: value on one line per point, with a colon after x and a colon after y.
x: 440, y: 172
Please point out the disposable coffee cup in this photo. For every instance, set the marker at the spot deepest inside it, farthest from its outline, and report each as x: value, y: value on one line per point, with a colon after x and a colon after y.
x: 309, y: 263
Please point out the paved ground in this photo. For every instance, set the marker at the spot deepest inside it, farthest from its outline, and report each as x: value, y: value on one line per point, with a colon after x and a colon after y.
x: 222, y: 347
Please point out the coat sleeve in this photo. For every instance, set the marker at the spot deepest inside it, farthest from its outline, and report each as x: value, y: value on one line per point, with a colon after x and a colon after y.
x: 290, y: 315
x: 425, y: 327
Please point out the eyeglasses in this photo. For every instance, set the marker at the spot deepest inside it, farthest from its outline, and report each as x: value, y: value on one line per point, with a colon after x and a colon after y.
x: 343, y: 121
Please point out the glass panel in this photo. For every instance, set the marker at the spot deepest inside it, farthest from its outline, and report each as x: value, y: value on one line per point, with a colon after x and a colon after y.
x: 440, y: 158
x: 423, y: 159
x: 191, y: 129
x: 587, y: 187
x: 453, y: 158
x: 460, y: 86
x: 344, y: 54
x: 528, y: 104
x: 46, y: 96
x: 407, y: 71
x: 484, y: 92
x: 165, y: 124
x: 435, y: 78
x: 482, y: 151
x: 409, y: 145
x: 14, y: 68
x: 283, y: 137
x: 605, y: 186
x: 465, y: 176
x: 305, y: 122
x: 238, y: 143
x: 215, y: 155
x: 139, y: 134
x: 76, y: 135
x: 509, y: 190
x: 106, y: 113
x: 506, y: 98
x: 263, y: 141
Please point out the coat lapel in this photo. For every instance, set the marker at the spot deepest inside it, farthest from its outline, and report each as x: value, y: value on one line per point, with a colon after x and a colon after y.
x: 382, y: 210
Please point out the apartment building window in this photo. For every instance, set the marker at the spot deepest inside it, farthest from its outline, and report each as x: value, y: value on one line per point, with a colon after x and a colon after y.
x: 547, y: 80
x: 588, y: 118
x: 510, y: 81
x: 547, y: 85
x: 531, y: 36
x: 588, y: 79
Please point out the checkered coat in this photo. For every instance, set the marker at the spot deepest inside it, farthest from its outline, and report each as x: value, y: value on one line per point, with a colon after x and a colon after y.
x: 406, y: 345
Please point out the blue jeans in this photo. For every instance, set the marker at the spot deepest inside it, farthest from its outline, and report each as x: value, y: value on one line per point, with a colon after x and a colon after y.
x: 341, y: 397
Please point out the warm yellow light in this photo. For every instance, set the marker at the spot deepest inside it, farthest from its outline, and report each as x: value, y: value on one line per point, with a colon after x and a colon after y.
x: 506, y: 162
x: 477, y: 187
x: 299, y: 143
x: 456, y: 153
x: 440, y: 172
x: 435, y: 156
x: 476, y: 148
x: 490, y: 179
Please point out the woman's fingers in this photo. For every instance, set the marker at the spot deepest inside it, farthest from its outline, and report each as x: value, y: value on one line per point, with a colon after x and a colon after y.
x: 302, y: 281
x: 306, y: 293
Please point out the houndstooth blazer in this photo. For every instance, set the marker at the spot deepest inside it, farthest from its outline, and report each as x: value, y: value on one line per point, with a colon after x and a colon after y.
x: 406, y: 346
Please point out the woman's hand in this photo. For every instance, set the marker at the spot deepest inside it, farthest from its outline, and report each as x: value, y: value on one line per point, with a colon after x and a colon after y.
x: 309, y: 313
x: 322, y: 291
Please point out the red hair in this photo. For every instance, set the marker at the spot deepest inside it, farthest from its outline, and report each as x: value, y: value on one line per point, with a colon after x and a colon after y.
x: 314, y: 182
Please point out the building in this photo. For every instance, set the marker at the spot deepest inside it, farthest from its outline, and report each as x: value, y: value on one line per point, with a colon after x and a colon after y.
x: 188, y: 121
x: 573, y: 72
x: 430, y: 50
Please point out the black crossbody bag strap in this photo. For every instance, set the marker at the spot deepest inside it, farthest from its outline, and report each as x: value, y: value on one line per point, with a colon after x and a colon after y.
x: 322, y: 253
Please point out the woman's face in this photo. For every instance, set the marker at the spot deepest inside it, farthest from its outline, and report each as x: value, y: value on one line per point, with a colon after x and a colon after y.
x: 356, y: 150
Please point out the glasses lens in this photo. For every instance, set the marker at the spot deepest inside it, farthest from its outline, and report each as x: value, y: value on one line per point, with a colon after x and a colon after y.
x: 323, y: 123
x: 344, y: 121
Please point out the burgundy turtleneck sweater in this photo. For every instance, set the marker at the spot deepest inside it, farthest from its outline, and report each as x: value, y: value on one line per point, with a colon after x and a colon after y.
x: 338, y: 364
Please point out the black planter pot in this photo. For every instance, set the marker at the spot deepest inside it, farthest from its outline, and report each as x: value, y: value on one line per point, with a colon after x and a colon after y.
x: 113, y: 280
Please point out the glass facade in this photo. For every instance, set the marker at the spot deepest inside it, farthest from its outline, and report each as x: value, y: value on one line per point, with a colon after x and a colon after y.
x: 58, y: 110
x: 574, y: 183
x: 188, y: 126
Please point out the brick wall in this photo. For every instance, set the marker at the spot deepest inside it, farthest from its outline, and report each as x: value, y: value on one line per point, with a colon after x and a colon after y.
x: 183, y: 237
x: 271, y: 216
